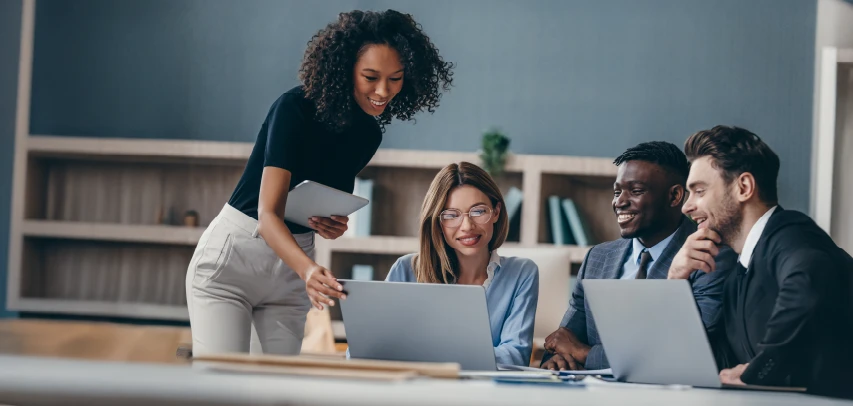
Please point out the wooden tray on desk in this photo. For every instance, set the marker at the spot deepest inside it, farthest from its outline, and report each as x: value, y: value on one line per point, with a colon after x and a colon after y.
x: 329, y: 365
x: 320, y: 372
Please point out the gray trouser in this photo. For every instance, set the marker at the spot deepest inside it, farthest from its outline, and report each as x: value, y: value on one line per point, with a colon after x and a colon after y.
x: 235, y: 280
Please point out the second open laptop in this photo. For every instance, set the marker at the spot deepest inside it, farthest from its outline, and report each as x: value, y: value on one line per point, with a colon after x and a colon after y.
x: 652, y: 333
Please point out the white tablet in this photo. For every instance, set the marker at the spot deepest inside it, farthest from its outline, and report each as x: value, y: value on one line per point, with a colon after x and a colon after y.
x: 309, y: 199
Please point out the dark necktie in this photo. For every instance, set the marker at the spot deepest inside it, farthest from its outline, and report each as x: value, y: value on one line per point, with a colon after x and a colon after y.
x: 645, y: 258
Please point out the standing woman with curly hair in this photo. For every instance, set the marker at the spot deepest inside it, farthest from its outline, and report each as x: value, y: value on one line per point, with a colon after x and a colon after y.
x: 253, y: 267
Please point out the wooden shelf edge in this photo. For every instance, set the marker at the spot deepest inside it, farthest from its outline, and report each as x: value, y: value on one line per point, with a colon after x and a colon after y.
x: 374, y: 245
x: 409, y: 158
x: 180, y: 235
x: 578, y: 166
x: 88, y: 146
x: 50, y: 145
x: 154, y: 234
x: 114, y: 309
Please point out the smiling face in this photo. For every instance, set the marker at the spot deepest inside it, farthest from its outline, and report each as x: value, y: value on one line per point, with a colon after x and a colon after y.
x: 377, y: 78
x: 467, y: 235
x: 712, y: 203
x: 642, y: 199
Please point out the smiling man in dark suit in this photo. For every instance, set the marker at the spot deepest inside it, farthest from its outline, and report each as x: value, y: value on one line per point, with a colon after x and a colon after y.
x: 647, y: 197
x: 787, y: 314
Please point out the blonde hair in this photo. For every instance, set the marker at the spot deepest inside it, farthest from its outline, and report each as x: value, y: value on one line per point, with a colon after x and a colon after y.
x: 436, y: 261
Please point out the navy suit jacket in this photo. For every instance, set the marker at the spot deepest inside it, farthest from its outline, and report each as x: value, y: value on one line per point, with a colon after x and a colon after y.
x: 605, y: 261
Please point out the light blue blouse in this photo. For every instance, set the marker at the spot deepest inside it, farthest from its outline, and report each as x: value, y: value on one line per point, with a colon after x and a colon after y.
x: 512, y: 294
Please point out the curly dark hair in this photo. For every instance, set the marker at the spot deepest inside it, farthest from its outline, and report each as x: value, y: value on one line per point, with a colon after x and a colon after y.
x: 327, y: 68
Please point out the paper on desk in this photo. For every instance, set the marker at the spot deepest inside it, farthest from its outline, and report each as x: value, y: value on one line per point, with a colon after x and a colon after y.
x: 507, y: 367
x: 508, y: 374
x: 592, y: 381
x: 607, y: 371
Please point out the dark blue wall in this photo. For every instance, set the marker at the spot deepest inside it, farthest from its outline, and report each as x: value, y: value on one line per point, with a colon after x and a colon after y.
x: 561, y: 77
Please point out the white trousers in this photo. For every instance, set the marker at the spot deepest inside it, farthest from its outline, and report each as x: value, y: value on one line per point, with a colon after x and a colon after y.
x: 236, y: 281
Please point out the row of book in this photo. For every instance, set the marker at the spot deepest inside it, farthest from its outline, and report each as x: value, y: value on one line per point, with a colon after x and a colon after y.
x: 512, y: 199
x: 568, y: 227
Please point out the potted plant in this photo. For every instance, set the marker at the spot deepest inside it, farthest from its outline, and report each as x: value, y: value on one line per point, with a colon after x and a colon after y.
x: 494, y: 152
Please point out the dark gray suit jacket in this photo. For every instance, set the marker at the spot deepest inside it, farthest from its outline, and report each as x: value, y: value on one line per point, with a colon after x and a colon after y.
x: 605, y: 261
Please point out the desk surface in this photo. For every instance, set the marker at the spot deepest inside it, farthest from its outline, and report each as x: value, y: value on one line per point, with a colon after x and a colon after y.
x: 37, y: 381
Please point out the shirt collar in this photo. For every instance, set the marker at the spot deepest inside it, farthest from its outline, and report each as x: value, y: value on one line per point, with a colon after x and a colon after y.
x: 494, y: 264
x: 753, y: 237
x: 654, y: 251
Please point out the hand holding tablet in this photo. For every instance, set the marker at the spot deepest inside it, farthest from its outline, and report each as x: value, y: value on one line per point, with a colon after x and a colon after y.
x: 310, y: 199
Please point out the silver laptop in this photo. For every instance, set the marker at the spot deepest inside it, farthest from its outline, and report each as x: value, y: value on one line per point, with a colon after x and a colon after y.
x: 652, y: 333
x: 422, y: 322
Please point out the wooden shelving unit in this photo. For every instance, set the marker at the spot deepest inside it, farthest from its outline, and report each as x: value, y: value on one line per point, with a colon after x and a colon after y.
x: 109, y: 195
x: 95, y: 222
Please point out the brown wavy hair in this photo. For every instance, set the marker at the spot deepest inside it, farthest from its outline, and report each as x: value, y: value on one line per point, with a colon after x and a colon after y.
x: 326, y: 72
x: 733, y: 151
x: 436, y: 261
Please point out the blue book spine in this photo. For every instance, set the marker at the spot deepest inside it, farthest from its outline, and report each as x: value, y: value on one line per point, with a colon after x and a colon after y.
x: 558, y: 231
x: 365, y: 189
x: 513, y: 200
x: 578, y: 228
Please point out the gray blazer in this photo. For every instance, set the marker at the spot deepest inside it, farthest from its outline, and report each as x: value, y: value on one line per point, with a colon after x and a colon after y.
x: 605, y: 261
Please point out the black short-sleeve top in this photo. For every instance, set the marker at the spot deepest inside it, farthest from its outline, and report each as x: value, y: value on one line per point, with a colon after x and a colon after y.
x: 291, y: 138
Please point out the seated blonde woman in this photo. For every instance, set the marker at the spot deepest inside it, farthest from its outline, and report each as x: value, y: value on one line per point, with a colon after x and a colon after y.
x: 462, y: 226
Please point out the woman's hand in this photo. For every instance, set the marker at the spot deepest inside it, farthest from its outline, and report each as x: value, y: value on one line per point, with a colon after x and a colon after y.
x: 329, y: 228
x: 321, y: 286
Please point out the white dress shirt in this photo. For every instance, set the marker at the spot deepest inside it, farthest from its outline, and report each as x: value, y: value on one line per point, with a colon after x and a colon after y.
x: 753, y: 237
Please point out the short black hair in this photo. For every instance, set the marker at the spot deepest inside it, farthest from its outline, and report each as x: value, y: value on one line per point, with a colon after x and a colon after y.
x: 662, y: 153
x: 735, y: 150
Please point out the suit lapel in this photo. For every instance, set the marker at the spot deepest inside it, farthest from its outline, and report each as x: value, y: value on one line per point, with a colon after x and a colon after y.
x: 660, y: 267
x: 761, y: 240
x: 613, y: 263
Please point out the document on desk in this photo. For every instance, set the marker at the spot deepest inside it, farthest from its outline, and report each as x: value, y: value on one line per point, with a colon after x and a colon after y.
x: 518, y: 377
x: 593, y: 381
x: 595, y: 372
x: 602, y: 372
x: 508, y: 374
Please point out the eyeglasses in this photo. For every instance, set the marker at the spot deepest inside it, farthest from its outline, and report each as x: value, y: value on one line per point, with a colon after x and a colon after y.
x: 453, y: 217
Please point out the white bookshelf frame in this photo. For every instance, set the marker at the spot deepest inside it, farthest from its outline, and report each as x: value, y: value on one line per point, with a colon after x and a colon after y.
x: 832, y: 59
x: 19, y: 167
